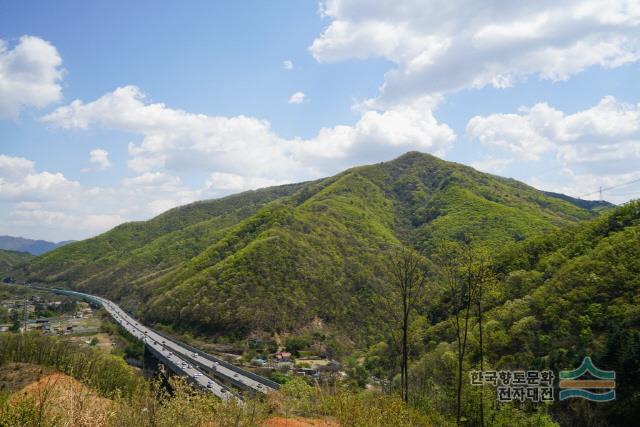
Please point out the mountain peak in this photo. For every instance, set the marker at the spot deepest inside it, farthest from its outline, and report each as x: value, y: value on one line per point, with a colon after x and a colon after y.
x: 228, y: 264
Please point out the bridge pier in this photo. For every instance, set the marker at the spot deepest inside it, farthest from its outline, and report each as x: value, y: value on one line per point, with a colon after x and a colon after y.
x: 154, y: 369
x: 150, y: 364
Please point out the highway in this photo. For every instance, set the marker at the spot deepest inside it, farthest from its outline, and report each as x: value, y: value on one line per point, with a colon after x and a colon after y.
x: 185, y: 359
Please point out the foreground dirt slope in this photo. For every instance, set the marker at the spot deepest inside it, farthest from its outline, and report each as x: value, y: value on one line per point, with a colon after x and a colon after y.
x: 299, y: 422
x: 63, y: 397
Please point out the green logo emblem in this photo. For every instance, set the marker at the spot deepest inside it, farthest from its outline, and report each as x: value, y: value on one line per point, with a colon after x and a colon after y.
x: 599, y: 388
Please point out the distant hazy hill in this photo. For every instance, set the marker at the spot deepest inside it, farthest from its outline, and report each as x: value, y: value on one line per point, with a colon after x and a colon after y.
x: 34, y: 247
x: 275, y: 258
x: 587, y: 204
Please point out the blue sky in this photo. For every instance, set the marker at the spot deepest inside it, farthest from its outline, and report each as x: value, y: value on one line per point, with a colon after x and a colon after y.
x: 180, y: 101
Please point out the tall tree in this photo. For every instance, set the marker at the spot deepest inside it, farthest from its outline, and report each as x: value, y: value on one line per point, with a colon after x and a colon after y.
x: 456, y: 261
x: 482, y: 274
x: 407, y: 272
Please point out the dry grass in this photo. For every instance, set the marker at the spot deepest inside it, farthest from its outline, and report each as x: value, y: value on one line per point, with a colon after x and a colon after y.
x: 15, y: 376
x: 55, y: 399
x: 60, y: 397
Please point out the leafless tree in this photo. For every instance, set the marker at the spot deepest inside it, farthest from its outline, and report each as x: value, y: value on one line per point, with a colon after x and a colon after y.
x: 467, y: 272
x: 482, y: 273
x: 455, y: 260
x: 407, y: 283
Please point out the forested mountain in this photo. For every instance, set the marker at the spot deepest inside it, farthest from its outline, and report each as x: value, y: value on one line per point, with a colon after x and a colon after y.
x: 274, y: 259
x: 557, y: 298
x: 34, y: 247
x: 11, y: 259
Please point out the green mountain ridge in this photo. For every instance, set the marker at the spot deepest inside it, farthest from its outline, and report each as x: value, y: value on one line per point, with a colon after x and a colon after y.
x: 559, y: 297
x: 276, y: 258
x: 12, y: 259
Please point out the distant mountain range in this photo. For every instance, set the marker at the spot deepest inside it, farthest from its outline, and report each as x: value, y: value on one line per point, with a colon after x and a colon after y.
x: 34, y: 247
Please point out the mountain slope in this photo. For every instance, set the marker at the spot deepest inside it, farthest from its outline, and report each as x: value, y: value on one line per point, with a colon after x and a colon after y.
x: 12, y: 259
x: 275, y: 258
x: 560, y: 297
x: 34, y: 247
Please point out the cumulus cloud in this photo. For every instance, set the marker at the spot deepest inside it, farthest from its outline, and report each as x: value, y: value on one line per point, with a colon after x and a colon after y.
x: 30, y: 75
x: 491, y: 164
x: 439, y: 47
x: 288, y: 65
x: 67, y: 225
x: 177, y: 141
x: 221, y: 183
x: 606, y: 136
x: 19, y: 180
x: 99, y: 158
x: 596, y: 146
x: 32, y: 200
x: 12, y: 167
x: 296, y: 98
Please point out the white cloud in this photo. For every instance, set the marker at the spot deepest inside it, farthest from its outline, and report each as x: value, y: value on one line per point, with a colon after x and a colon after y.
x: 63, y: 222
x: 36, y: 186
x: 100, y: 159
x: 446, y: 46
x: 586, y: 185
x: 49, y: 205
x: 30, y: 75
x: 491, y: 164
x: 237, y: 154
x: 12, y: 167
x: 177, y: 141
x: 296, y: 98
x: 520, y: 134
x: 288, y: 65
x: 378, y: 136
x: 596, y: 146
x: 604, y: 136
x: 225, y: 183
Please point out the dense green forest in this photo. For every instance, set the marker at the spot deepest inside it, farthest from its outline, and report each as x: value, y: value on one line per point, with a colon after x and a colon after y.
x: 275, y: 259
x: 555, y: 299
x: 9, y: 260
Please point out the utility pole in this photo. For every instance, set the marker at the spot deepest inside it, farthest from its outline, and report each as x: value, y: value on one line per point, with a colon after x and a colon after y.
x: 601, y: 193
x: 25, y: 315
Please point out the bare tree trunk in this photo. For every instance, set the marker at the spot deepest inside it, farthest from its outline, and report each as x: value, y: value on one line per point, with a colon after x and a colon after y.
x: 408, y: 281
x: 457, y: 261
x: 405, y: 358
x: 481, y: 354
